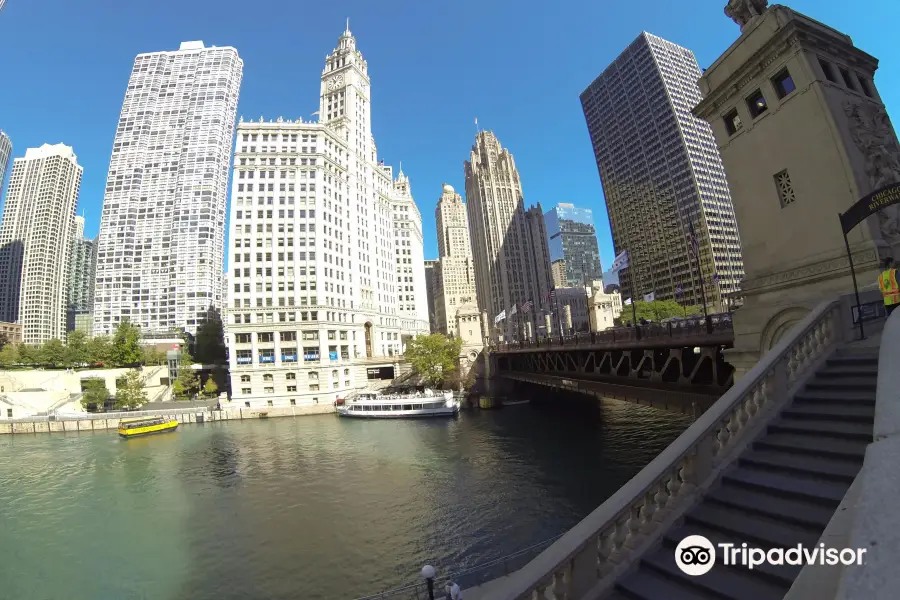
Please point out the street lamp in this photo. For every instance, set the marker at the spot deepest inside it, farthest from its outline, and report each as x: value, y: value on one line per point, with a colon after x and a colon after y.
x: 428, y: 574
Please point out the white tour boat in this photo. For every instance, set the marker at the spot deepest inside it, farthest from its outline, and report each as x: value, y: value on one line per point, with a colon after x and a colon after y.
x: 374, y: 405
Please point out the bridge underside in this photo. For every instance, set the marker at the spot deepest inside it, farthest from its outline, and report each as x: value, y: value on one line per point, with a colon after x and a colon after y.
x: 691, y: 401
x: 683, y: 367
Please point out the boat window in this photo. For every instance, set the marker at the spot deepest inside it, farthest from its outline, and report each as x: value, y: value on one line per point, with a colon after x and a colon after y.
x: 417, y: 407
x: 407, y: 407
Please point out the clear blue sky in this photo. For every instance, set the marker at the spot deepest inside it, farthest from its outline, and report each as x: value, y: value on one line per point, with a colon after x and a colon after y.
x: 435, y: 66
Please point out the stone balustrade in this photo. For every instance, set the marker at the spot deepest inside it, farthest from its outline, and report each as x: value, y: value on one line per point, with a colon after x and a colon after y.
x: 587, y: 560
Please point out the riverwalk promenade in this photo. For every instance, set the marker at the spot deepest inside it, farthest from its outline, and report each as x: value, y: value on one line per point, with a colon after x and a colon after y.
x: 184, y: 415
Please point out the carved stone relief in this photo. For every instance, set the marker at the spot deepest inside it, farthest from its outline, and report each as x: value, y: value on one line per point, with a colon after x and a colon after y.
x: 744, y: 11
x: 874, y: 136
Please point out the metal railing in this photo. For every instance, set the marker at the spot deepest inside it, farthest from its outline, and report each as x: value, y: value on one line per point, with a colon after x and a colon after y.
x: 106, y: 415
x: 604, y: 545
x: 466, y: 578
x: 696, y: 327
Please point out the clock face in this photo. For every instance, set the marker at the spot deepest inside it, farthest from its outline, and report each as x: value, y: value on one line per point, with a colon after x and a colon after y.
x: 336, y: 81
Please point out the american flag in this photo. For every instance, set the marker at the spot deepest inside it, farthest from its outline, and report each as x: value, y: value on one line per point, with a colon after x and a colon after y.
x: 692, y: 237
x: 527, y: 306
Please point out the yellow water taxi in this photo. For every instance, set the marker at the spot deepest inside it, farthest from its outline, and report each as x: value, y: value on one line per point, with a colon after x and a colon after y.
x: 129, y: 428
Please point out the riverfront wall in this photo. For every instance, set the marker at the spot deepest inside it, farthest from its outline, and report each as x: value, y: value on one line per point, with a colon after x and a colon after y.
x: 100, y: 422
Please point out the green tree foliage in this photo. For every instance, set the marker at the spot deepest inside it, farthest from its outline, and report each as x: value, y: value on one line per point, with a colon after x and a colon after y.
x: 76, y: 348
x: 130, y: 393
x: 209, y: 345
x: 126, y: 345
x: 28, y: 355
x: 95, y: 394
x: 9, y: 356
x: 99, y: 350
x: 152, y: 356
x: 657, y: 311
x: 52, y: 352
x: 434, y: 357
x: 210, y: 388
x: 4, y: 340
x: 186, y: 383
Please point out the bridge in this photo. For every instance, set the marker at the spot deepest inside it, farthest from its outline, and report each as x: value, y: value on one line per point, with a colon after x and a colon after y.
x: 678, y: 366
x: 801, y: 450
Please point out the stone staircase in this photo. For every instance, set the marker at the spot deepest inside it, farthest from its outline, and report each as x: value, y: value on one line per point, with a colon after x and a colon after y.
x: 782, y: 491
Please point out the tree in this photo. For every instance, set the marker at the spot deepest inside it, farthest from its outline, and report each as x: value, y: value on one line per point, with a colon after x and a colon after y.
x: 9, y: 356
x: 126, y: 344
x: 209, y: 346
x: 152, y: 356
x: 434, y: 357
x: 4, y: 340
x: 657, y: 311
x: 98, y: 350
x: 76, y: 348
x: 210, y: 388
x: 95, y: 393
x: 52, y: 353
x: 186, y: 382
x: 130, y: 394
x: 28, y: 355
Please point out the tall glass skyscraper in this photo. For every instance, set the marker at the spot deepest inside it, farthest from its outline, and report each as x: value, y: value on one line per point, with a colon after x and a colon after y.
x: 5, y: 153
x: 162, y: 231
x: 662, y: 174
x: 573, y: 240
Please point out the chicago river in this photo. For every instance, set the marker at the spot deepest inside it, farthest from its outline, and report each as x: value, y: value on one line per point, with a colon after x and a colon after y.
x: 311, y: 507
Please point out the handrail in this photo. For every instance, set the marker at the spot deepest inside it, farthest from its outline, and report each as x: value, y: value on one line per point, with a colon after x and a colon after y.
x: 412, y: 590
x: 702, y: 326
x: 106, y: 415
x: 605, y: 543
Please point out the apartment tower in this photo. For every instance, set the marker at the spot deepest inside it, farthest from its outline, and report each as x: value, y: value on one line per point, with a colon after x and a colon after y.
x: 82, y: 265
x: 38, y: 224
x: 454, y: 272
x: 5, y: 153
x: 662, y: 174
x: 162, y: 231
x: 573, y: 245
x: 327, y: 270
x: 506, y: 270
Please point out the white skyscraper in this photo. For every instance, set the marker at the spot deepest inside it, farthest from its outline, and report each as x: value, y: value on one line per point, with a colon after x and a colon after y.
x: 5, y: 153
x: 409, y: 258
x: 162, y: 232
x: 454, y: 272
x: 323, y: 246
x: 38, y: 222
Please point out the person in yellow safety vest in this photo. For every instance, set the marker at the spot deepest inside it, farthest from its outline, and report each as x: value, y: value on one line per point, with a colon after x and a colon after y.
x: 887, y: 281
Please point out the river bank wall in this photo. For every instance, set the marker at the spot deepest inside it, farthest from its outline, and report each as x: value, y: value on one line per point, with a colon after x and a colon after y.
x: 186, y: 415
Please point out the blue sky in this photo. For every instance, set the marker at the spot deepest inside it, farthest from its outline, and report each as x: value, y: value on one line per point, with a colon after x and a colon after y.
x: 435, y: 66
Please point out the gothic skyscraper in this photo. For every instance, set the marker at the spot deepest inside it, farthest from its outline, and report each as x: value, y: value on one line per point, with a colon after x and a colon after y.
x: 510, y: 273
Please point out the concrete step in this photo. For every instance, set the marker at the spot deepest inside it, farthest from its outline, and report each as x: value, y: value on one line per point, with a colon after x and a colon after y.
x: 834, y: 429
x: 842, y: 383
x: 646, y: 584
x: 852, y: 360
x: 840, y: 396
x: 780, y: 574
x: 733, y: 582
x: 793, y: 485
x: 834, y: 469
x: 818, y: 446
x: 789, y: 510
x: 850, y: 371
x: 756, y: 530
x: 857, y: 413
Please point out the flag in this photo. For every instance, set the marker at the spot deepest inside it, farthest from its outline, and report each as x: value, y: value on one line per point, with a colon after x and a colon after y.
x: 527, y: 306
x: 650, y: 297
x: 627, y: 302
x: 513, y: 311
x: 500, y: 317
x: 679, y: 290
x: 476, y: 122
x: 620, y: 262
x: 692, y: 238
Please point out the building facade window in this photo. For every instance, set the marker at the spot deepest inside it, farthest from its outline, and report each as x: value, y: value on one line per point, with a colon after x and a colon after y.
x: 785, y: 188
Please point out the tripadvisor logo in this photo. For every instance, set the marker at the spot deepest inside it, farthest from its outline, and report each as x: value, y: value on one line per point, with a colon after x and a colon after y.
x: 695, y: 555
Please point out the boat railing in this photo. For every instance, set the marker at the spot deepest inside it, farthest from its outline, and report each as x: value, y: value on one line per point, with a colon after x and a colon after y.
x: 468, y: 577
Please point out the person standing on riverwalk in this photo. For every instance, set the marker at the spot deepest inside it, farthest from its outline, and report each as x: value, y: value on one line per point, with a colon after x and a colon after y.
x: 887, y: 282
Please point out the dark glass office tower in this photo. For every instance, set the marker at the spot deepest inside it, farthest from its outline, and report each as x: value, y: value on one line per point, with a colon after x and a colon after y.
x: 573, y: 240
